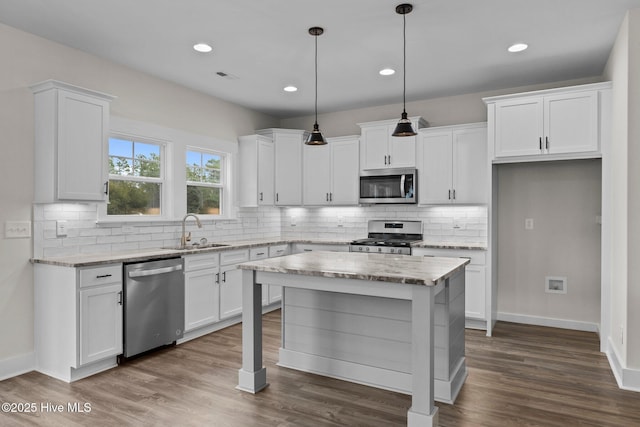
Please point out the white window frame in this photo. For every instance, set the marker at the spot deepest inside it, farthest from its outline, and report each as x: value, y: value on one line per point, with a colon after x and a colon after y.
x: 224, y: 180
x: 162, y: 180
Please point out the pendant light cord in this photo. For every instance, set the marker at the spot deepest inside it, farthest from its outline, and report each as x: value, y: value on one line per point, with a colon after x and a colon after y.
x: 316, y: 103
x: 404, y: 63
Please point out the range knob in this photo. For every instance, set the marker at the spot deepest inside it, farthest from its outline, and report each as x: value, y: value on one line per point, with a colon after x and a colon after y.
x: 379, y: 249
x: 367, y: 249
x: 392, y: 250
x: 360, y: 248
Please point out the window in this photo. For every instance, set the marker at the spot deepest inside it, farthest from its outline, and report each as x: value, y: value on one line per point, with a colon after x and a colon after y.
x: 135, y: 177
x: 205, y: 182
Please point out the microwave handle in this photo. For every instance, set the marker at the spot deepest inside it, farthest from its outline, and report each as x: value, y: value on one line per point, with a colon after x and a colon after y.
x: 402, y: 191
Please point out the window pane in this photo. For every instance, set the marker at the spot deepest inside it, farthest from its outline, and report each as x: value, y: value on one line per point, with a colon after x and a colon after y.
x: 149, y: 151
x: 146, y: 168
x: 203, y: 200
x: 212, y: 176
x: 133, y: 198
x: 120, y: 147
x: 194, y: 174
x: 120, y: 166
x: 194, y: 158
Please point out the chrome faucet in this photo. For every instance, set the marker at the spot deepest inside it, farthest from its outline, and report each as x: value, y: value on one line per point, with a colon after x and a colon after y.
x: 187, y: 237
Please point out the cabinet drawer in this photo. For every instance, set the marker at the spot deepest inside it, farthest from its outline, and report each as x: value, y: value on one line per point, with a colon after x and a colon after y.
x: 100, y: 275
x: 311, y: 247
x: 278, y: 250
x: 200, y: 261
x: 234, y: 257
x: 258, y: 253
x: 476, y: 257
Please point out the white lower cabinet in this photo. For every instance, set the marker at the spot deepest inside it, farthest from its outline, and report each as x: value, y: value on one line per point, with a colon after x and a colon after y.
x: 100, y: 322
x: 201, y: 290
x: 78, y: 319
x: 275, y: 291
x: 475, y: 281
x: 231, y: 282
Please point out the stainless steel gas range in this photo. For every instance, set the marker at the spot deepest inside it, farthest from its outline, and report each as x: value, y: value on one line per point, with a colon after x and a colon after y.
x: 389, y: 237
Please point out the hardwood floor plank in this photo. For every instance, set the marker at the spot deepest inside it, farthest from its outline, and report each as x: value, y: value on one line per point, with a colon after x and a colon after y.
x: 522, y: 376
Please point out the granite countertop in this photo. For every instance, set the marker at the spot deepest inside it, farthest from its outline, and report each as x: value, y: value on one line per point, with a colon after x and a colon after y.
x: 377, y: 267
x: 86, y: 260
x: 478, y: 246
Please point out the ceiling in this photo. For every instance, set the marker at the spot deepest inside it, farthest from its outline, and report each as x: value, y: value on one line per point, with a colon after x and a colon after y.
x: 453, y: 46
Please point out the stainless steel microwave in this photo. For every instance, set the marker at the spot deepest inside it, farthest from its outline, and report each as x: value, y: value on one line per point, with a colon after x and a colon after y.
x: 389, y: 186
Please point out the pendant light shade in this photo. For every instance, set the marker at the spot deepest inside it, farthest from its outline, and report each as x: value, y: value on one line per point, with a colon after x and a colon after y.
x: 316, y: 138
x: 404, y: 127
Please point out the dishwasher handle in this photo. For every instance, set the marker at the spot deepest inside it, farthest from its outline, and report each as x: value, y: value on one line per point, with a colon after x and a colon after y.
x: 143, y: 273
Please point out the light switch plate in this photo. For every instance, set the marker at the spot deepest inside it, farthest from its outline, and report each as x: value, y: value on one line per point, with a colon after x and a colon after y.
x: 17, y: 229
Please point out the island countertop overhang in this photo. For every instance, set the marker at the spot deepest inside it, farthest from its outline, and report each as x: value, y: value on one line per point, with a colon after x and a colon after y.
x: 406, y: 269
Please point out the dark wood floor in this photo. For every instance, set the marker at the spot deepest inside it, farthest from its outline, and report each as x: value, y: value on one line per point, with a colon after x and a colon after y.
x: 523, y: 375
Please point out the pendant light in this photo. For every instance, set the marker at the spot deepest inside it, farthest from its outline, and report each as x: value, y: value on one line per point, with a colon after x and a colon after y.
x: 403, y: 128
x: 316, y: 138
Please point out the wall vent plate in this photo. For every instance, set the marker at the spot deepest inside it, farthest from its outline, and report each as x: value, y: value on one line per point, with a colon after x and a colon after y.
x: 555, y: 285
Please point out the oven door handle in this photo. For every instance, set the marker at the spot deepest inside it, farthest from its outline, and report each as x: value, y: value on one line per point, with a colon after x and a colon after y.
x: 143, y: 273
x: 402, y: 192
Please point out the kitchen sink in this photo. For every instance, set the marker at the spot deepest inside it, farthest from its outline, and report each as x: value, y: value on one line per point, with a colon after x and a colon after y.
x: 196, y: 246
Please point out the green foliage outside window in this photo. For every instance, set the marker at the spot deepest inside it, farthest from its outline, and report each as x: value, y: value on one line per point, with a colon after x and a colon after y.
x: 204, y: 174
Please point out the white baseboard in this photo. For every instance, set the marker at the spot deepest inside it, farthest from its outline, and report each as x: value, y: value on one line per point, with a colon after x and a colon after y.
x: 549, y: 321
x: 627, y: 379
x: 17, y: 365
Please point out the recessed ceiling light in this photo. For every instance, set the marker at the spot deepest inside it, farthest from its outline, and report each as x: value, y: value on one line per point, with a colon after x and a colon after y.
x: 202, y: 47
x: 290, y: 89
x: 518, y: 47
x: 387, y: 72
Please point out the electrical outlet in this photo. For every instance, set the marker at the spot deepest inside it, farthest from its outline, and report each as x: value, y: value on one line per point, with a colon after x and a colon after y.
x: 293, y: 221
x: 339, y: 221
x: 61, y: 228
x: 17, y: 229
x: 528, y: 224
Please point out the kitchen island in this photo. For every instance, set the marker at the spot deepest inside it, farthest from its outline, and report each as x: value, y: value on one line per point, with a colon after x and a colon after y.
x: 351, y: 306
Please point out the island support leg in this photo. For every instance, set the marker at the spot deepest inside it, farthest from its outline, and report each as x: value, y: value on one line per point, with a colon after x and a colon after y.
x: 423, y: 412
x: 252, y: 377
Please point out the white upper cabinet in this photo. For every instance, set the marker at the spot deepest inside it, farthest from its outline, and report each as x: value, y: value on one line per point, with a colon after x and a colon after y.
x: 452, y: 164
x: 257, y: 169
x: 71, y: 130
x: 288, y: 145
x: 550, y: 124
x: 380, y: 150
x: 331, y: 173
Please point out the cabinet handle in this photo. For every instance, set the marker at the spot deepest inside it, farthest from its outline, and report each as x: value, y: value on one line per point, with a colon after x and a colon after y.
x: 449, y: 194
x: 308, y: 250
x: 217, y: 277
x: 260, y: 253
x: 327, y: 196
x: 540, y: 143
x: 389, y: 158
x: 120, y: 298
x: 454, y: 194
x: 224, y: 277
x: 331, y: 197
x: 102, y: 276
x: 261, y: 196
x: 546, y: 141
x: 106, y: 188
x: 277, y: 197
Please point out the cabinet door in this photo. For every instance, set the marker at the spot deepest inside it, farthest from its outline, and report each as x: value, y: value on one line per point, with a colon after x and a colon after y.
x: 434, y: 168
x: 201, y: 298
x: 475, y: 291
x: 266, y: 172
x: 275, y: 293
x: 230, y: 291
x: 374, y: 147
x: 402, y: 151
x: 345, y: 172
x: 470, y: 166
x: 288, y: 170
x: 83, y: 122
x: 519, y: 127
x: 571, y: 123
x: 317, y: 174
x: 100, y: 322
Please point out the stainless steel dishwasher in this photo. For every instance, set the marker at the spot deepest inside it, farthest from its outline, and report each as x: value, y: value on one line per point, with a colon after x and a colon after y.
x: 153, y: 305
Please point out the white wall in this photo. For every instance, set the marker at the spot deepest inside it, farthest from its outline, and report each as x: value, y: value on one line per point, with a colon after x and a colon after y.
x: 623, y: 68
x: 563, y: 199
x: 27, y: 59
